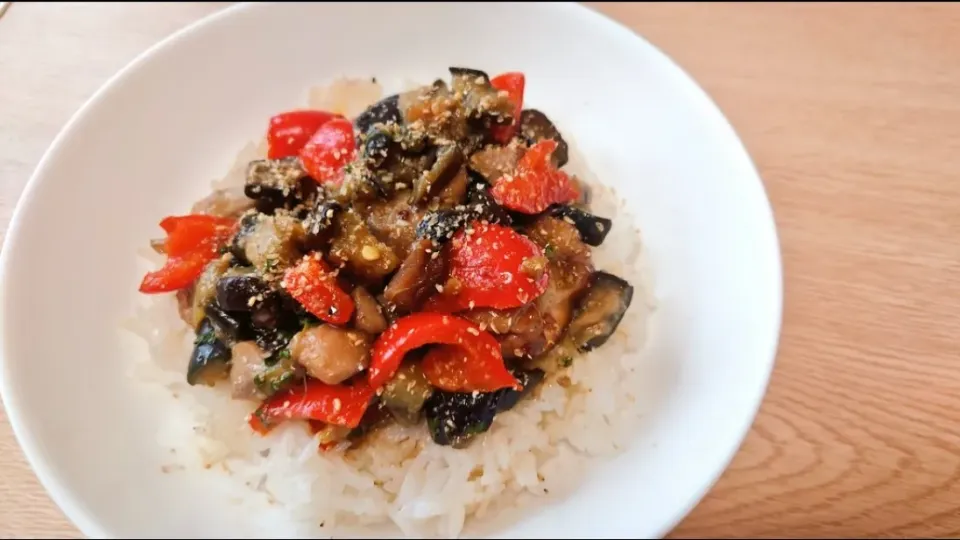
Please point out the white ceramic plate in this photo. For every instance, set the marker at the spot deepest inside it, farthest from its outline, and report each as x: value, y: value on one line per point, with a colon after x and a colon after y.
x: 150, y: 140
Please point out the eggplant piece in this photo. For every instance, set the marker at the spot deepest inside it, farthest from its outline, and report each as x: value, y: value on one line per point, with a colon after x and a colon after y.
x: 442, y: 117
x: 375, y: 416
x: 267, y: 313
x: 241, y: 292
x: 478, y: 98
x: 210, y: 359
x: 536, y: 127
x: 417, y: 277
x: 455, y: 192
x: 276, y: 183
x: 205, y: 288
x: 455, y: 418
x: 272, y: 340
x: 406, y: 393
x: 480, y: 201
x: 447, y: 165
x: 529, y: 379
x: 462, y: 73
x: 599, y: 311
x: 359, y: 250
x: 593, y: 229
x: 395, y: 157
x: 318, y: 225
x: 228, y: 328
x: 375, y: 147
x: 385, y: 111
x: 274, y: 243
x: 440, y: 225
x: 238, y: 243
x: 495, y: 161
x: 368, y: 316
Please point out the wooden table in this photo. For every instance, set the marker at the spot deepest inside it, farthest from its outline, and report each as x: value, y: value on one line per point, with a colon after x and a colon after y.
x: 852, y: 113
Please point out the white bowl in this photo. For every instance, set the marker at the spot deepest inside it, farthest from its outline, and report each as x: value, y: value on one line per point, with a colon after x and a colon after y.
x: 151, y: 139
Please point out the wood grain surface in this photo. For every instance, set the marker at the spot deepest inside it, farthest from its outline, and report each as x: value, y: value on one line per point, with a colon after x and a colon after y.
x: 852, y: 114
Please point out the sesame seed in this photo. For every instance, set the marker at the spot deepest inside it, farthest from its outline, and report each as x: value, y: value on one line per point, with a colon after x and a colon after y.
x: 370, y: 253
x: 439, y: 290
x: 473, y: 331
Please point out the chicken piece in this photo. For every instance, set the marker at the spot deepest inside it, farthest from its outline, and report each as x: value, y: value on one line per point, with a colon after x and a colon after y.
x: 520, y: 331
x: 569, y: 268
x: 495, y: 161
x: 331, y: 354
x: 247, y: 361
x: 368, y: 316
x: 394, y: 222
x: 567, y: 278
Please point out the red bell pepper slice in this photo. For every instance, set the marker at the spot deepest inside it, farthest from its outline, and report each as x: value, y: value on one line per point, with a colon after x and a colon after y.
x: 339, y: 405
x: 513, y: 83
x: 452, y: 369
x: 414, y: 331
x: 536, y: 183
x: 488, y: 262
x: 329, y: 150
x: 192, y: 241
x: 312, y: 284
x: 177, y: 273
x: 288, y: 132
x: 195, y: 232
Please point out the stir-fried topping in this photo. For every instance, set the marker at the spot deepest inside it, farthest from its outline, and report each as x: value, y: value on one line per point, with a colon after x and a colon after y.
x: 415, y: 262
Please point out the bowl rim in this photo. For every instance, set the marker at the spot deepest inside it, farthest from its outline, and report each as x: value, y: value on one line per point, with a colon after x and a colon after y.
x: 87, y: 523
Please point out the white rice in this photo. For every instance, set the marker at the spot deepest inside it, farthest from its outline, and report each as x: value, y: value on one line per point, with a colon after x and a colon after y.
x: 399, y: 476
